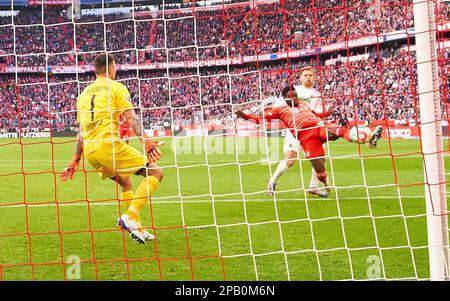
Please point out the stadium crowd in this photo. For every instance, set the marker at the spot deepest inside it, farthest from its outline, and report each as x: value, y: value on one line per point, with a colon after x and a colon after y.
x: 265, y: 28
x: 378, y: 87
x: 361, y: 89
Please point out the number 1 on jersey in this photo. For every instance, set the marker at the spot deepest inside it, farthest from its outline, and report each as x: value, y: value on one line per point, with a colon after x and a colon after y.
x: 92, y: 107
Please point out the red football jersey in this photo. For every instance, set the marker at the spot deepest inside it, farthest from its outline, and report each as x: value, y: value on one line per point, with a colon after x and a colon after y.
x: 299, y: 117
x: 124, y: 127
x: 123, y: 123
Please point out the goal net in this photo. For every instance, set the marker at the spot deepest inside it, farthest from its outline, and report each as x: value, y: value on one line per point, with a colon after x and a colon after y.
x: 189, y: 65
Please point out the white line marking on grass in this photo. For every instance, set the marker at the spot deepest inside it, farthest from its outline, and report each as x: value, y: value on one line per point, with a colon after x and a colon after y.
x: 157, y: 202
x: 213, y: 162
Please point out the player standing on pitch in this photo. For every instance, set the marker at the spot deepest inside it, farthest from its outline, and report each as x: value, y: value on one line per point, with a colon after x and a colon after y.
x: 291, y: 148
x: 310, y: 130
x: 99, y: 108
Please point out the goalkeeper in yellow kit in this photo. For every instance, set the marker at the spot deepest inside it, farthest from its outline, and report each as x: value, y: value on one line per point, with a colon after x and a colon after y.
x: 99, y: 108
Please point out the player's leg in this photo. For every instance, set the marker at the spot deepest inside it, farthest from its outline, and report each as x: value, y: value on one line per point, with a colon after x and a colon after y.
x: 153, y: 177
x: 314, y: 184
x: 319, y: 166
x: 376, y: 135
x: 360, y: 135
x: 127, y: 194
x: 290, y: 158
x: 333, y: 132
x: 128, y: 161
x: 315, y: 152
x: 313, y: 147
x: 291, y: 149
x: 120, y: 160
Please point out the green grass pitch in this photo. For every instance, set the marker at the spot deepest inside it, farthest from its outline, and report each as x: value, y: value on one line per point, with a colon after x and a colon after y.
x: 232, y: 229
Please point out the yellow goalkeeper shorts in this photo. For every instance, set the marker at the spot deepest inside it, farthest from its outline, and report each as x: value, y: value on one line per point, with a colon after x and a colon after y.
x: 117, y: 159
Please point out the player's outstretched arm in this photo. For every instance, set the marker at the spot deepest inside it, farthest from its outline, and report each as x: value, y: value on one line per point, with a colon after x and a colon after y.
x: 69, y: 171
x: 151, y: 147
x: 268, y: 116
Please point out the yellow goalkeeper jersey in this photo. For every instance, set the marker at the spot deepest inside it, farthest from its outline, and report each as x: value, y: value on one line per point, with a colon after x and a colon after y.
x: 99, y: 107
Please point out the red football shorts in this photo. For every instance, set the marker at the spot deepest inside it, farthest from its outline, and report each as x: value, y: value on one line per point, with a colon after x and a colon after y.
x: 311, y: 141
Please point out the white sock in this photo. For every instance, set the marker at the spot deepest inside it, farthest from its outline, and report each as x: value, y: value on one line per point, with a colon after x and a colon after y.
x: 314, y: 180
x: 281, y: 168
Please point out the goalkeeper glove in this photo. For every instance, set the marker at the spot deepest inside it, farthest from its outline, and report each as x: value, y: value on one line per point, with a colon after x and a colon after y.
x: 152, y: 150
x: 70, y: 170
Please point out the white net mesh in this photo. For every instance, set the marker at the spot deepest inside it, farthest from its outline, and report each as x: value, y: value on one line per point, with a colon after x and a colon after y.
x: 189, y: 67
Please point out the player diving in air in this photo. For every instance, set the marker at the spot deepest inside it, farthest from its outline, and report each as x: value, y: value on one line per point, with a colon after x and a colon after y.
x: 292, y: 148
x: 99, y: 108
x: 310, y: 130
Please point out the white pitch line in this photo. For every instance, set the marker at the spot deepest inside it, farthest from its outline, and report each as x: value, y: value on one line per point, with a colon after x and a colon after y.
x: 157, y: 202
x: 340, y: 157
x: 6, y: 162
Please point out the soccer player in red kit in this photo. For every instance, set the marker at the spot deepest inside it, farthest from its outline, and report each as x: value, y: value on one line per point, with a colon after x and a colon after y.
x: 125, y: 130
x: 310, y: 130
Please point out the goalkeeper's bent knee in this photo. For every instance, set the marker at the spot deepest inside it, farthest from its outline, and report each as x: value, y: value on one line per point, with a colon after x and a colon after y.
x: 155, y: 172
x: 151, y: 171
